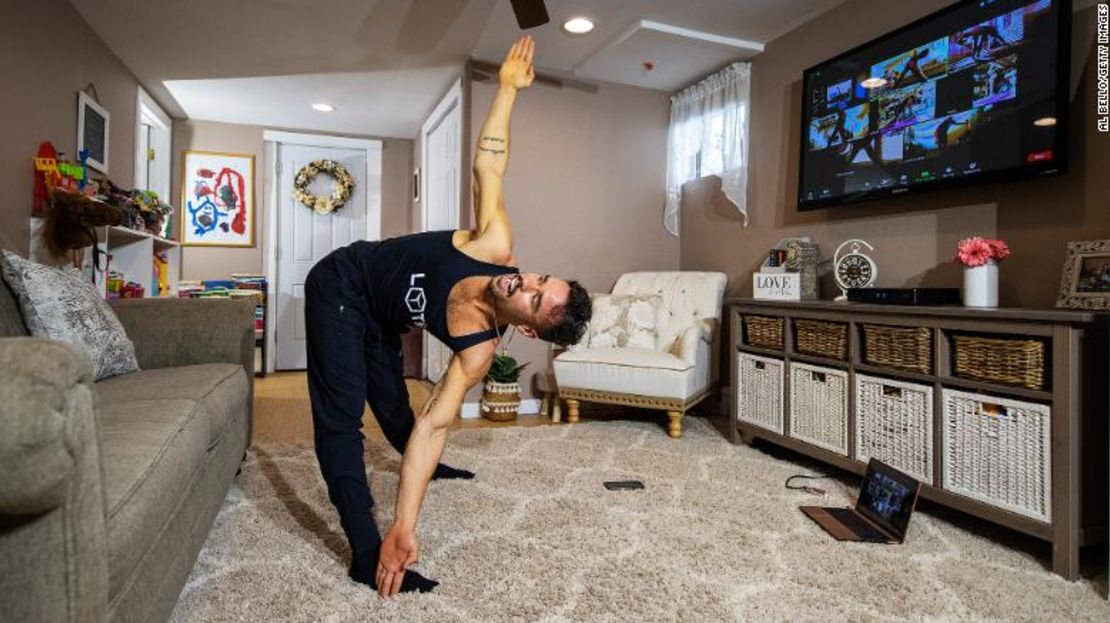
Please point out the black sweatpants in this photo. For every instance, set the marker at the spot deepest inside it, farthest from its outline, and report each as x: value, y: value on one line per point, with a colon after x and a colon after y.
x: 351, y: 360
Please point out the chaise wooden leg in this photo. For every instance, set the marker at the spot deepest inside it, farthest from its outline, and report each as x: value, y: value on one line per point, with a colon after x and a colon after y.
x: 572, y: 410
x: 674, y: 427
x: 556, y: 410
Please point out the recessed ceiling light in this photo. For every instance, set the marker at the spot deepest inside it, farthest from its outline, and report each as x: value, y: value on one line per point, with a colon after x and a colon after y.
x: 1045, y: 122
x: 323, y: 107
x: 873, y: 83
x: 578, y: 25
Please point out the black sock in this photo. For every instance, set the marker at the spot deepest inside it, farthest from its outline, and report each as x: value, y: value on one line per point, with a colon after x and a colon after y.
x: 413, y: 581
x: 446, y: 472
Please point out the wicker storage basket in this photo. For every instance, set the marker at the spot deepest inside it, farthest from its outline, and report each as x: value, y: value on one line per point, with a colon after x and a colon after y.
x: 764, y: 331
x: 894, y: 423
x: 821, y: 339
x: 500, y: 401
x: 1000, y: 360
x: 902, y: 348
x: 819, y: 406
x: 759, y: 393
x: 998, y: 451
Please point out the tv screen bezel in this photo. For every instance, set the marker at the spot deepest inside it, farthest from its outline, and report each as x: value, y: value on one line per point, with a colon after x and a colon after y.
x: 1058, y: 166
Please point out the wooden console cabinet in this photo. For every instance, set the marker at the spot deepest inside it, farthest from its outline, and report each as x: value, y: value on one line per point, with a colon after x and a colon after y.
x: 1073, y: 407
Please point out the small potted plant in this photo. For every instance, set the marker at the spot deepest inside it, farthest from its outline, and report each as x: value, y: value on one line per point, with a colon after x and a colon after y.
x: 501, y: 394
x: 980, y: 257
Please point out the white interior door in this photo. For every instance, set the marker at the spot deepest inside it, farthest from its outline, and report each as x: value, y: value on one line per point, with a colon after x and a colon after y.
x: 305, y: 237
x: 441, y: 159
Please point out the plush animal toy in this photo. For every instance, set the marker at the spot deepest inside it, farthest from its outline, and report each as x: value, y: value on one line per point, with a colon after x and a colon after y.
x: 70, y: 219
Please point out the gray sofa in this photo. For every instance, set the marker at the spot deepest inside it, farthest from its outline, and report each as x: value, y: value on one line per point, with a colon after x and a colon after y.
x: 108, y: 490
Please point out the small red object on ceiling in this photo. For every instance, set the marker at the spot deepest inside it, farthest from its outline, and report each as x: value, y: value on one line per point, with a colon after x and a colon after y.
x: 648, y: 65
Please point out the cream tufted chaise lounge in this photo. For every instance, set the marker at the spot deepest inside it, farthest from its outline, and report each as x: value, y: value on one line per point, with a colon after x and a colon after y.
x: 675, y: 375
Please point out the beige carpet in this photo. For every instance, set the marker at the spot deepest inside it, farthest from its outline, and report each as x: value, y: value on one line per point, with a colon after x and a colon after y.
x: 714, y: 537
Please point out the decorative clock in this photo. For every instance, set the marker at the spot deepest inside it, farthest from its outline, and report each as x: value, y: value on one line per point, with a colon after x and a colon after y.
x: 853, y: 267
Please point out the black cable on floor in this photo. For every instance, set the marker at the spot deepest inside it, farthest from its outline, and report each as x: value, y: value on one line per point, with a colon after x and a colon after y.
x: 807, y: 488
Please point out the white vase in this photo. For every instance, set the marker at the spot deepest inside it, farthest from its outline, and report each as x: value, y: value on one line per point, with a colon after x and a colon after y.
x: 981, y: 285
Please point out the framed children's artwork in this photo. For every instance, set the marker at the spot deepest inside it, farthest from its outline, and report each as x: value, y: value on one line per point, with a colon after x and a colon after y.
x: 217, y: 199
x: 92, y: 131
x: 1086, y: 279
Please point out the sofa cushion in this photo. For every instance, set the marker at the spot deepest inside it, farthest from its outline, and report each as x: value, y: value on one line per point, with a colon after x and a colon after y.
x: 150, y: 451
x: 156, y: 428
x: 60, y: 304
x: 221, y: 389
x: 637, y: 371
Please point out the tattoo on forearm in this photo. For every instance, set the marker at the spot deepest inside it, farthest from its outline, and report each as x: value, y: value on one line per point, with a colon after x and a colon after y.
x: 492, y: 151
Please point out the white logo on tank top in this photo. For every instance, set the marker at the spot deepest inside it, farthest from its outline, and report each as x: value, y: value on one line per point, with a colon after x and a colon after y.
x: 416, y: 301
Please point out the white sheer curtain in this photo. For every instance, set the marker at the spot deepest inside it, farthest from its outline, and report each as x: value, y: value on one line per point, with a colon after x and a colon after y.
x: 709, y: 136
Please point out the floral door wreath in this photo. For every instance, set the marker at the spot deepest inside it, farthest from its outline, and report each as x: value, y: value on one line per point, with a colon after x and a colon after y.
x: 344, y: 186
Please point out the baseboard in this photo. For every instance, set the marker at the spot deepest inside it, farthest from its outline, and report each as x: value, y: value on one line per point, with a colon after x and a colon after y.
x: 528, y: 406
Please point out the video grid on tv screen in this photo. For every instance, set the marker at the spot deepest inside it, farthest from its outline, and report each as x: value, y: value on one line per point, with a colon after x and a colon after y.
x: 969, y: 93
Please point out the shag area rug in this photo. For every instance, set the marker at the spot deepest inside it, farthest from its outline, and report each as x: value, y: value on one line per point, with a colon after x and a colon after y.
x: 714, y: 537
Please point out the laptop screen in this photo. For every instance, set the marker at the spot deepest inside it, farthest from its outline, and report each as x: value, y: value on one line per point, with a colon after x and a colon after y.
x: 887, y: 497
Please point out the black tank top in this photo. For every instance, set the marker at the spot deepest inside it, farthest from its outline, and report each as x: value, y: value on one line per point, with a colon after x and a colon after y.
x: 407, y: 280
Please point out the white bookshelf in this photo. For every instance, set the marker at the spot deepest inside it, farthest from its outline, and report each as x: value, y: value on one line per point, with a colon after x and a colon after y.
x: 131, y: 252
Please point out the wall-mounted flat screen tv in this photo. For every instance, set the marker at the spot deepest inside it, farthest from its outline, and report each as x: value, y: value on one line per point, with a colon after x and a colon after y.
x: 976, y: 92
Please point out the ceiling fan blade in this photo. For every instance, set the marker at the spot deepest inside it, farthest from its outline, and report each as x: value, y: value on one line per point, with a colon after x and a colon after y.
x: 487, y: 70
x: 530, y: 13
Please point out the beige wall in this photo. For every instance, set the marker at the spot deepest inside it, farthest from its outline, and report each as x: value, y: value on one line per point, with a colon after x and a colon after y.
x: 220, y: 262
x: 585, y: 186
x: 914, y: 236
x: 49, y: 54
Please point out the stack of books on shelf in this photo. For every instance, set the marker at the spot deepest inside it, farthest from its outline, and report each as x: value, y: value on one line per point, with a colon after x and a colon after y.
x: 247, y: 285
x: 239, y: 285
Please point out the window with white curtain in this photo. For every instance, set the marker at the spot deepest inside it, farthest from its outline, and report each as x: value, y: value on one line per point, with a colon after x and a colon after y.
x: 709, y: 136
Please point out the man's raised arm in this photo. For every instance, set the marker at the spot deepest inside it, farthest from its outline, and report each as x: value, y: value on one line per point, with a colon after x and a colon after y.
x: 492, y: 155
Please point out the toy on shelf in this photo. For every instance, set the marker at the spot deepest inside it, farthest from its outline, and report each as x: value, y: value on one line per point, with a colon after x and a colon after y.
x: 118, y: 287
x: 47, y: 177
x: 131, y: 290
x: 142, y: 209
x: 161, y: 285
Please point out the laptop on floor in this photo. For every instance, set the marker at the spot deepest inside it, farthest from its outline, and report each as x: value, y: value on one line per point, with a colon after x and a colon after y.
x: 887, y: 498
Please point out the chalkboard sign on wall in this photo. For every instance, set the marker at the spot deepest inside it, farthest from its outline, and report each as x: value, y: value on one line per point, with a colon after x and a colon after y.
x: 92, y: 132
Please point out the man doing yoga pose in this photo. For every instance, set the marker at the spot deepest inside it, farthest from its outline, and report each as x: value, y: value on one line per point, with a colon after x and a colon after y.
x: 462, y: 286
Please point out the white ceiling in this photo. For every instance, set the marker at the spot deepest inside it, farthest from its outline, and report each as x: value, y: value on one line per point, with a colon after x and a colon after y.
x: 384, y: 63
x: 382, y: 103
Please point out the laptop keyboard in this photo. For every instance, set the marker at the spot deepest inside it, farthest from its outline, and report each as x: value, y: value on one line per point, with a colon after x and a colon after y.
x: 861, y: 528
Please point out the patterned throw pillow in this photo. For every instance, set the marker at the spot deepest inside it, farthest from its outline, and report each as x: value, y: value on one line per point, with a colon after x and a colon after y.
x: 58, y: 303
x: 621, y: 321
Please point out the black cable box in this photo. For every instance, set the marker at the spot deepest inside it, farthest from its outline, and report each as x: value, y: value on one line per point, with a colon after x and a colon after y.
x: 905, y: 296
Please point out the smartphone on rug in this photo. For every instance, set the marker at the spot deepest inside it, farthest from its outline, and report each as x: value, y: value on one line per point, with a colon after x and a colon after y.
x: 620, y: 485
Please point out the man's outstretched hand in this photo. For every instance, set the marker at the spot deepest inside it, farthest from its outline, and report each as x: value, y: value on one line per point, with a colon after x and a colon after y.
x: 399, y: 550
x: 517, y: 71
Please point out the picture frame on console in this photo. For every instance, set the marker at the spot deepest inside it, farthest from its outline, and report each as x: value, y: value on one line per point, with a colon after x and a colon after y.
x: 1085, y: 283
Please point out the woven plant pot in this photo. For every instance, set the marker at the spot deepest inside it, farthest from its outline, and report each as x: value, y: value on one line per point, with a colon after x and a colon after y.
x: 500, y: 401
